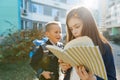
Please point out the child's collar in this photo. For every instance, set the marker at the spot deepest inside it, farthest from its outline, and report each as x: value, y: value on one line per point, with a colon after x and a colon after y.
x: 53, y: 42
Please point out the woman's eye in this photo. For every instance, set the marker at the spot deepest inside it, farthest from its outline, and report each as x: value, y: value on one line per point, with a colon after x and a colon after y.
x: 71, y: 29
x: 77, y: 26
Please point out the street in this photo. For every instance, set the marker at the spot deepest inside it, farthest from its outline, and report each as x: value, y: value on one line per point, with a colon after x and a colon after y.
x: 116, y: 53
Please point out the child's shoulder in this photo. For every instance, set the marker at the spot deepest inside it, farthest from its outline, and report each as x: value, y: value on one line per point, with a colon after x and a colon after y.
x: 40, y: 42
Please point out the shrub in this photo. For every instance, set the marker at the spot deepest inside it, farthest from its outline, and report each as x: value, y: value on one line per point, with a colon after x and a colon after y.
x: 16, y: 46
x: 116, y: 38
x: 106, y: 34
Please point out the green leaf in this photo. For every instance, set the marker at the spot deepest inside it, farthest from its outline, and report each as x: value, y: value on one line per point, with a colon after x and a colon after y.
x: 1, y: 56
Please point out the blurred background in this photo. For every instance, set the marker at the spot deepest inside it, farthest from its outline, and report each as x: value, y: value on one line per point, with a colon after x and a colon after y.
x: 21, y: 22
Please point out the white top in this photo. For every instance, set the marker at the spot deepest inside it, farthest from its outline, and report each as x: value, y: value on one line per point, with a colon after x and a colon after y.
x: 73, y: 75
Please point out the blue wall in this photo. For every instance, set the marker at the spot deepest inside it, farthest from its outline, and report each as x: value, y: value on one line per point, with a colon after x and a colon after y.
x: 9, y: 15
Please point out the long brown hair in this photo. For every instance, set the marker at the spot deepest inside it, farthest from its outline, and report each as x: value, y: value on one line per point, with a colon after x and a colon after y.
x: 89, y: 27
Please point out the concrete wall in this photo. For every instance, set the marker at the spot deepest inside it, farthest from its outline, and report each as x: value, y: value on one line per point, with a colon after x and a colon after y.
x: 9, y: 15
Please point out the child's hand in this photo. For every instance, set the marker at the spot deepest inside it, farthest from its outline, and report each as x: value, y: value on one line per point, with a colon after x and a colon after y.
x: 83, y: 74
x: 64, y: 66
x: 46, y: 74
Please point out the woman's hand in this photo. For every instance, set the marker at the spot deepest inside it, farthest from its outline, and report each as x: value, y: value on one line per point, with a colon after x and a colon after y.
x: 83, y: 74
x: 64, y: 66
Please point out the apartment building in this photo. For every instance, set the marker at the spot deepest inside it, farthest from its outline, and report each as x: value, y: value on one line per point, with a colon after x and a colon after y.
x: 113, y: 16
x: 36, y: 13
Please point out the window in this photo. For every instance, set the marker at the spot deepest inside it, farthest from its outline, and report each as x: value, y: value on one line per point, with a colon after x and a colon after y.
x: 35, y: 25
x: 72, y: 1
x: 21, y: 3
x: 26, y: 5
x: 62, y: 13
x: 34, y: 8
x: 40, y: 9
x: 63, y: 1
x: 47, y: 11
x: 22, y: 26
x: 55, y: 12
x: 40, y: 26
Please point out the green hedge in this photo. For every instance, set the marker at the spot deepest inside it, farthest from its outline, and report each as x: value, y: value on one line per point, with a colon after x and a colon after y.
x: 106, y: 34
x: 116, y: 38
x: 16, y: 46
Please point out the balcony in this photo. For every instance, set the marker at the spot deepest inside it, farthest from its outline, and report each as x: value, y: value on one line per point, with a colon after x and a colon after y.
x: 23, y: 12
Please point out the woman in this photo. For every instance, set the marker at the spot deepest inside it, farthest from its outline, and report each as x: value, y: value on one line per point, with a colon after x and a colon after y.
x: 80, y: 22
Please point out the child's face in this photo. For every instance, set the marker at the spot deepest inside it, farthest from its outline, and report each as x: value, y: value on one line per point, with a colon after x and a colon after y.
x: 54, y: 33
x: 75, y: 25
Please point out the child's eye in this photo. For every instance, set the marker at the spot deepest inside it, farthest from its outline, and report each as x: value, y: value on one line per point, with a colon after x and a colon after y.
x: 56, y: 32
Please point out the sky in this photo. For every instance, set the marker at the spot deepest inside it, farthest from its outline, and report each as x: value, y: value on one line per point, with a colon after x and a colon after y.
x: 93, y: 4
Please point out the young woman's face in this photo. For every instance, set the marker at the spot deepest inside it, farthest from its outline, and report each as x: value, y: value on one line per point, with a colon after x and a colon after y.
x: 75, y: 25
x: 54, y: 34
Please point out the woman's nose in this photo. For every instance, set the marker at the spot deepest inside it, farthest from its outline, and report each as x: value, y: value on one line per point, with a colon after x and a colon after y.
x: 74, y: 31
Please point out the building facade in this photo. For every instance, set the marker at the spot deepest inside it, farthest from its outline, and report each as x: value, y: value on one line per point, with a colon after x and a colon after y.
x: 36, y: 13
x: 113, y: 17
x: 102, y: 12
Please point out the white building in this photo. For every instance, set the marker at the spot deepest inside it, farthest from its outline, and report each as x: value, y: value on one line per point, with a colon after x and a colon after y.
x: 35, y: 13
x: 113, y: 16
x: 102, y: 12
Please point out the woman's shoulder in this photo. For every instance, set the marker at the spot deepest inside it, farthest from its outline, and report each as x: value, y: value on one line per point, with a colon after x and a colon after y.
x: 107, y: 46
x: 108, y: 54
